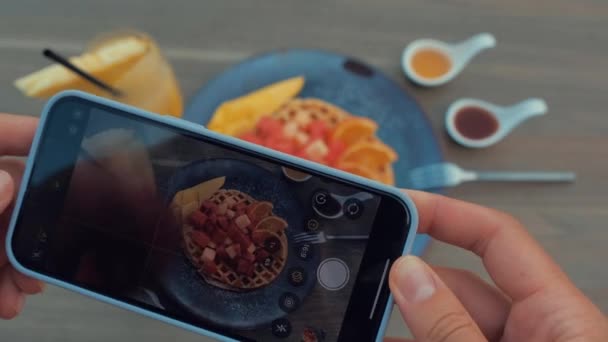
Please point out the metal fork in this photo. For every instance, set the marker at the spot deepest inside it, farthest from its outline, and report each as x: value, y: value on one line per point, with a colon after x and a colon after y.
x: 448, y: 174
x: 320, y: 237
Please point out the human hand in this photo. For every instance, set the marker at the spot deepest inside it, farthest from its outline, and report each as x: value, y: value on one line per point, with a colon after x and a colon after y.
x: 16, y: 134
x: 533, y: 299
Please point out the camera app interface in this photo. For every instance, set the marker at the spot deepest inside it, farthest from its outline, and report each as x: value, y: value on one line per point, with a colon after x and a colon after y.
x: 206, y: 234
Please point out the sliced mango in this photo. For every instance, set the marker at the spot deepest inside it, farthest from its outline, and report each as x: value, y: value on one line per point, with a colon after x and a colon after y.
x: 107, y: 63
x: 240, y: 115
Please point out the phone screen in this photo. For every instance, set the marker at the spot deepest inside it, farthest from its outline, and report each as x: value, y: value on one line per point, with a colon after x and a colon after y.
x: 205, y: 232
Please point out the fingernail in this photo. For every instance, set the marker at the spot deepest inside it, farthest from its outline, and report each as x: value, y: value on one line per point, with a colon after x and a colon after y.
x: 414, y: 281
x: 5, y: 180
x: 20, y: 303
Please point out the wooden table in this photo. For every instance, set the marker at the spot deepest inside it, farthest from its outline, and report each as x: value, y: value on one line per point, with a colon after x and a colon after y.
x: 550, y: 49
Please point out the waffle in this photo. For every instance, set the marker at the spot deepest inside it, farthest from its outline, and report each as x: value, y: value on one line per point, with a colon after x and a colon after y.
x: 306, y: 110
x: 225, y: 276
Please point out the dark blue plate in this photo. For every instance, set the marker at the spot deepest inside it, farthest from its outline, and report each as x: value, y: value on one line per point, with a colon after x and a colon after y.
x: 245, y: 310
x: 343, y: 81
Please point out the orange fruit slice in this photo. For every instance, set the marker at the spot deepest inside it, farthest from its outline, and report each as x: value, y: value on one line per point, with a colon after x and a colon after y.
x: 385, y: 175
x: 108, y: 63
x: 259, y: 211
x: 372, y: 154
x: 272, y: 224
x: 241, y: 114
x: 354, y: 129
x: 388, y: 176
x: 359, y: 170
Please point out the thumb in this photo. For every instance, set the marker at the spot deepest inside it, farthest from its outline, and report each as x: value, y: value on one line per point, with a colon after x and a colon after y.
x: 7, y: 188
x: 431, y: 310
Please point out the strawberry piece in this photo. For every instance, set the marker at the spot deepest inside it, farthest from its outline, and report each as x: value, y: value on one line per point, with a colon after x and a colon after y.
x: 198, y: 219
x: 230, y: 213
x: 243, y: 240
x: 268, y: 126
x: 336, y: 148
x: 233, y: 231
x: 219, y: 236
x: 249, y: 257
x: 240, y: 207
x: 252, y: 138
x: 213, y: 218
x: 261, y: 254
x: 244, y: 267
x: 223, y: 222
x: 317, y: 129
x: 200, y: 238
x: 209, y: 268
x: 221, y: 253
x: 284, y: 145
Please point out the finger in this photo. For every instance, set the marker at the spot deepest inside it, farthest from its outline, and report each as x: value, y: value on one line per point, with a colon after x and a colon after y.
x: 15, y: 167
x: 3, y: 229
x: 496, y: 237
x: 397, y: 339
x: 11, y: 298
x: 430, y: 309
x: 17, y: 132
x: 26, y: 284
x: 7, y: 190
x: 485, y: 303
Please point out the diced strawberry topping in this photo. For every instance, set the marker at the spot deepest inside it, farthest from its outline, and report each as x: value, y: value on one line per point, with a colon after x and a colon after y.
x: 284, y: 145
x: 336, y: 148
x: 233, y: 232
x: 241, y: 206
x: 268, y: 126
x: 223, y: 222
x: 213, y: 218
x: 222, y: 208
x: 248, y: 257
x: 209, y: 268
x: 244, y: 267
x: 261, y: 254
x: 219, y: 236
x: 200, y: 238
x: 252, y: 138
x: 230, y: 213
x: 198, y: 219
x: 221, y: 253
x: 317, y: 129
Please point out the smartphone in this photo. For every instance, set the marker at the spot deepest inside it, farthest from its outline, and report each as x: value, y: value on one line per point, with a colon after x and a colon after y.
x: 205, y: 231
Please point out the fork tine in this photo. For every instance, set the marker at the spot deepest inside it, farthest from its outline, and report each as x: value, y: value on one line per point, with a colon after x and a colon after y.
x: 306, y: 239
x: 299, y: 235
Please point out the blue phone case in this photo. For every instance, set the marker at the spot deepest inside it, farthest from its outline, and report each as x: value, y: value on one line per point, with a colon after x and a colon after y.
x: 200, y: 130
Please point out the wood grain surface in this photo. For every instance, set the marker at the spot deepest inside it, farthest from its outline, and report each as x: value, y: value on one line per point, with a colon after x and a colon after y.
x: 554, y: 49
